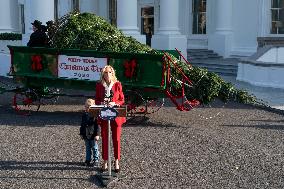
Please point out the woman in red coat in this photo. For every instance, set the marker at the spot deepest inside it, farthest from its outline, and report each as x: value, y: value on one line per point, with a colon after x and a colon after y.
x: 110, y: 85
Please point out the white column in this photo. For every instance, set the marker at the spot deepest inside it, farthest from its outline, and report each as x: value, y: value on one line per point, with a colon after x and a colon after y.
x: 127, y: 19
x: 224, y: 16
x: 9, y: 16
x: 169, y: 17
x: 168, y: 36
x: 264, y: 18
x: 222, y: 39
x: 42, y: 10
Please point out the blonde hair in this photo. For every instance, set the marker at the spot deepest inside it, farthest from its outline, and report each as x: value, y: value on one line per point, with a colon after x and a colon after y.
x: 89, y: 102
x: 114, y: 78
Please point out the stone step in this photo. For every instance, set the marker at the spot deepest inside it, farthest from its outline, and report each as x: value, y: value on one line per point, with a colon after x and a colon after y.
x: 220, y: 71
x: 213, y: 62
x: 201, y: 54
x: 217, y: 62
x: 216, y: 66
x: 201, y: 57
x: 199, y: 50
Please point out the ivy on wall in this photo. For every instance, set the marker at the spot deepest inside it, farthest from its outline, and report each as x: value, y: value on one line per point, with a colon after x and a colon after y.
x: 10, y: 36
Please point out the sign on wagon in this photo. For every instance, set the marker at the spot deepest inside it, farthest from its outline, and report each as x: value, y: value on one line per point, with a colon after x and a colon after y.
x: 76, y: 67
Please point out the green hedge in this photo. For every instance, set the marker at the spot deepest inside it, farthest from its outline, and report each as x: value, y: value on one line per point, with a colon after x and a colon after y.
x: 10, y: 36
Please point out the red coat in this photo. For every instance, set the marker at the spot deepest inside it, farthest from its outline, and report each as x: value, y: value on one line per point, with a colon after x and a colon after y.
x: 118, y: 98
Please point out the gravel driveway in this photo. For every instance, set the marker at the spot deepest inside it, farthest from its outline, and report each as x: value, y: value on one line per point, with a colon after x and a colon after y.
x: 221, y: 146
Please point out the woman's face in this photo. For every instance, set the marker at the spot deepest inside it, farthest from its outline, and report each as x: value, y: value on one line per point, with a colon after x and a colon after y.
x: 34, y: 28
x: 108, y: 75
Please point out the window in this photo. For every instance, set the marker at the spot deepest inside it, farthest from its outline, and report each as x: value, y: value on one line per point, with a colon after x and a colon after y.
x: 199, y: 16
x: 277, y: 17
x: 112, y: 12
x: 56, y: 10
x: 76, y: 5
x: 147, y: 20
x: 22, y: 17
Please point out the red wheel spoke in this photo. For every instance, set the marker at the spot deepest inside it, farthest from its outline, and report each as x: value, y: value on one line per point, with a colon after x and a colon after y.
x: 26, y: 102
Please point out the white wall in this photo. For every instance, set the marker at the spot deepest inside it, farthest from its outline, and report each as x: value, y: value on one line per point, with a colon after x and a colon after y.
x: 266, y: 71
x: 5, y: 61
x: 15, y: 15
x: 9, y: 16
x: 245, y: 27
x: 4, y: 43
x: 4, y: 64
x: 264, y: 76
x: 275, y: 55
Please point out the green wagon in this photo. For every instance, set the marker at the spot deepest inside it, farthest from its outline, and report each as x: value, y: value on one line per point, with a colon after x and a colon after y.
x: 145, y: 77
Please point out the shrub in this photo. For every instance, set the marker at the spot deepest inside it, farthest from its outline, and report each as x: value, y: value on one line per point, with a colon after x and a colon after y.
x: 10, y: 36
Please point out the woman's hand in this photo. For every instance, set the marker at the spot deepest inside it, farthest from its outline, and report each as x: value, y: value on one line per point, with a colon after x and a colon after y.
x: 106, y: 100
x: 112, y: 103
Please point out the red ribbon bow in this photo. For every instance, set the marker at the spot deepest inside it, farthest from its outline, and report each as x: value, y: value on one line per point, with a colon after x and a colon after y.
x: 130, y: 67
x: 36, y: 63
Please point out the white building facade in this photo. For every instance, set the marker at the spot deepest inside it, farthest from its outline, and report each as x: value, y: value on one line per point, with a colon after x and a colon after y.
x: 228, y: 27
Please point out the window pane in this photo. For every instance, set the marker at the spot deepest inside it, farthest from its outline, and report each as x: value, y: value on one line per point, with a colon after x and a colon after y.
x: 203, y: 6
x: 273, y: 28
x: 76, y: 5
x: 277, y: 16
x: 274, y: 3
x: 281, y: 15
x: 274, y: 15
x: 199, y: 17
x: 147, y: 20
x: 195, y: 4
x: 112, y: 12
x: 56, y: 9
x: 280, y: 23
x: 22, y: 12
x: 277, y: 3
x: 147, y: 11
x: 281, y: 4
x: 281, y: 30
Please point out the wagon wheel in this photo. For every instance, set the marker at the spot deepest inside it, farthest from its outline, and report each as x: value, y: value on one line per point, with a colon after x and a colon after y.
x: 190, y: 101
x: 26, y: 102
x: 154, y: 105
x: 135, y: 103
x: 50, y: 96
